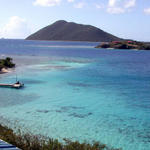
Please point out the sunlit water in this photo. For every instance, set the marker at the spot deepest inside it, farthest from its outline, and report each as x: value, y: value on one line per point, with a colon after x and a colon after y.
x: 75, y: 91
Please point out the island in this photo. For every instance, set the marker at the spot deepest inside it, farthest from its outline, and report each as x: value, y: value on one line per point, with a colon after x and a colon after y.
x: 6, y: 64
x: 70, y: 31
x: 125, y: 44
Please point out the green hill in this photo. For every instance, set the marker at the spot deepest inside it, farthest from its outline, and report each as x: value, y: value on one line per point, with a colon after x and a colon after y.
x: 70, y: 31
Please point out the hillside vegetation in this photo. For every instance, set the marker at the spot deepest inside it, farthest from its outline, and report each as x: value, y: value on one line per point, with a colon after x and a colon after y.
x: 6, y: 63
x: 125, y: 45
x: 70, y: 31
x: 35, y: 142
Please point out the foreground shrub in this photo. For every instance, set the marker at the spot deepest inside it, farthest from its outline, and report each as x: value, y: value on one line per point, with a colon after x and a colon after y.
x: 34, y: 142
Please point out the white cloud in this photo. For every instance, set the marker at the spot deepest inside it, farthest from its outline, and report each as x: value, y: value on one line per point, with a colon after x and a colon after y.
x: 112, y: 3
x: 120, y: 6
x: 70, y: 0
x: 15, y: 28
x: 79, y: 5
x: 130, y: 3
x: 115, y: 10
x: 147, y: 11
x: 99, y: 6
x: 47, y: 3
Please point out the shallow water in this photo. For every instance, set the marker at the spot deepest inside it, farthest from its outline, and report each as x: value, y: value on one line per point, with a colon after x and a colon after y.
x: 75, y: 91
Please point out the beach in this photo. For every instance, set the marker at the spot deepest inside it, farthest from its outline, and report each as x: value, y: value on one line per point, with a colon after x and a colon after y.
x: 4, y: 70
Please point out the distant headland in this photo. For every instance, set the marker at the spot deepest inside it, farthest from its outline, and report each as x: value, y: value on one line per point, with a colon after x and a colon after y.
x: 6, y: 64
x: 69, y: 31
x: 125, y: 45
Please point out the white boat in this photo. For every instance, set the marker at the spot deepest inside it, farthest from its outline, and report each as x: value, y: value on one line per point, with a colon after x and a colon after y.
x: 17, y: 85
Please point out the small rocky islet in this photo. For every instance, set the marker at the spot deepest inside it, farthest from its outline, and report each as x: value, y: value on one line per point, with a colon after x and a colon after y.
x: 124, y: 45
x: 6, y: 64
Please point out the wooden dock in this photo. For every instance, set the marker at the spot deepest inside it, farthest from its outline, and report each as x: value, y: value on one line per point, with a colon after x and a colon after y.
x: 6, y: 85
x: 6, y: 146
x: 16, y: 85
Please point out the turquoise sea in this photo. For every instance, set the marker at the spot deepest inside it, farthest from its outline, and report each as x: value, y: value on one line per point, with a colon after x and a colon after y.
x: 75, y: 91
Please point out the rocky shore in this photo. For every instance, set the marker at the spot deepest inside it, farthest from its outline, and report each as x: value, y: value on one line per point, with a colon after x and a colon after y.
x: 125, y: 45
x: 6, y: 65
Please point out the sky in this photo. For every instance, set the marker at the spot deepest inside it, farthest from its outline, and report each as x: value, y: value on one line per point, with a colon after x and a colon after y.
x: 128, y: 19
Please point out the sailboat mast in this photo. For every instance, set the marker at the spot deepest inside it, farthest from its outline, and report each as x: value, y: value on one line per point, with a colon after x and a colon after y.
x: 16, y: 78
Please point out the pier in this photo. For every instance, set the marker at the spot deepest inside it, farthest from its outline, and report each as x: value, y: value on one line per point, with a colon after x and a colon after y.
x: 16, y: 85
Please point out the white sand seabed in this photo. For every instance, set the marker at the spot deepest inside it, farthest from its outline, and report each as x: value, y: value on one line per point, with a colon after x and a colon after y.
x: 4, y: 70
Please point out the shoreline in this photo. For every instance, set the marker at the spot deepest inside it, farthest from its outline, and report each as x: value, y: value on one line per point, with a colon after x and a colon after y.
x: 6, y: 64
x: 4, y: 70
x: 124, y: 45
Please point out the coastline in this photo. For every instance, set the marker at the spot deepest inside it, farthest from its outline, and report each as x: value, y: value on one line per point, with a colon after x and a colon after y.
x: 6, y: 64
x: 124, y: 45
x: 4, y: 70
x: 54, y: 112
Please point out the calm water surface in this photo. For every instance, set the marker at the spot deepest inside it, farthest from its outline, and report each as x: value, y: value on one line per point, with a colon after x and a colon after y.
x: 75, y: 91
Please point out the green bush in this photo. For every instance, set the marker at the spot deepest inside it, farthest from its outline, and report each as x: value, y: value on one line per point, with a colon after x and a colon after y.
x: 35, y: 142
x: 125, y: 45
x: 6, y: 63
